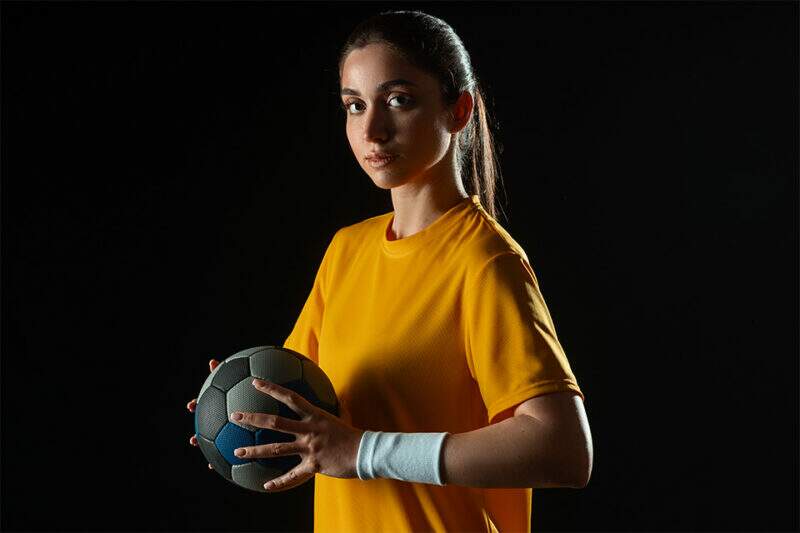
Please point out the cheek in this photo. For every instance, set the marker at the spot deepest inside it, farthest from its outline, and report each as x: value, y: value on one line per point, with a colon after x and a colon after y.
x: 350, y: 132
x: 428, y: 136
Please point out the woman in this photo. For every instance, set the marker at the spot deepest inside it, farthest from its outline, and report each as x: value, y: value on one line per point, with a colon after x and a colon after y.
x: 457, y: 398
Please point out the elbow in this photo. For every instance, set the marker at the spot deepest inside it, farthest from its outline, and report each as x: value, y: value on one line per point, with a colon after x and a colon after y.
x: 579, y: 474
x: 579, y: 465
x: 582, y: 457
x: 579, y: 480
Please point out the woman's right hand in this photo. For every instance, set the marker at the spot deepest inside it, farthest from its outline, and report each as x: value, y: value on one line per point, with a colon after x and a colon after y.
x: 212, y: 364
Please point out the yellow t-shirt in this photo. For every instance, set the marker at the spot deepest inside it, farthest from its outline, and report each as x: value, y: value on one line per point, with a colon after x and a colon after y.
x: 443, y: 330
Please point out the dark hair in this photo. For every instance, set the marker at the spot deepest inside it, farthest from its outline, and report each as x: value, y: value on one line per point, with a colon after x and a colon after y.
x: 431, y: 45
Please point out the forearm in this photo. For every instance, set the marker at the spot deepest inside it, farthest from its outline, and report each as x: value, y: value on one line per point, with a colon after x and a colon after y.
x: 520, y: 451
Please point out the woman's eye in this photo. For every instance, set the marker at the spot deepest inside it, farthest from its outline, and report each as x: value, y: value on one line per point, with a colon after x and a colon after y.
x: 346, y: 106
x: 402, y: 96
x: 404, y: 100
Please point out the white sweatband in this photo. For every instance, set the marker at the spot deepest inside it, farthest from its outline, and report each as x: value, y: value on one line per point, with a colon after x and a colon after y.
x: 412, y: 457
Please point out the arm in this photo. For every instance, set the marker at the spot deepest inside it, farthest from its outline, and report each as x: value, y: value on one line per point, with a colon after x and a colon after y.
x: 547, y: 443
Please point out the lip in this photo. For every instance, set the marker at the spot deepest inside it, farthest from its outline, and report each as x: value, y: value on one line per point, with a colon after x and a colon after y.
x: 380, y: 159
x: 379, y: 155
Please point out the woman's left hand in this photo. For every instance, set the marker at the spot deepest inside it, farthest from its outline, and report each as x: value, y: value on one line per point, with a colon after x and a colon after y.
x: 325, y: 443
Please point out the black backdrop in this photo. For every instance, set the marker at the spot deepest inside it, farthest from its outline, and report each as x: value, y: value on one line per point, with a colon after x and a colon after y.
x: 172, y: 173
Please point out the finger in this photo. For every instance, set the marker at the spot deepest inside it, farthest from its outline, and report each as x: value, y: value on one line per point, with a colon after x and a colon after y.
x: 192, y: 405
x: 275, y: 449
x: 294, y: 401
x: 296, y: 476
x: 263, y: 420
x: 193, y: 440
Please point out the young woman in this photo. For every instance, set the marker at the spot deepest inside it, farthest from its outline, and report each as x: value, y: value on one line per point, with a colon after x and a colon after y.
x: 456, y: 396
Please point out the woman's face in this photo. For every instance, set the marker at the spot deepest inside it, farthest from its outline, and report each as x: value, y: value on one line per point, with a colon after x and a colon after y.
x: 391, y: 106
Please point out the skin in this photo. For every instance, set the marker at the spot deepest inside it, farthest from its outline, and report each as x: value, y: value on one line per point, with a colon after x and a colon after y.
x: 545, y: 441
x: 412, y: 122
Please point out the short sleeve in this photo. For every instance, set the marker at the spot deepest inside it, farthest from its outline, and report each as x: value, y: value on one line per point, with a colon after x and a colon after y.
x: 305, y: 335
x: 512, y: 349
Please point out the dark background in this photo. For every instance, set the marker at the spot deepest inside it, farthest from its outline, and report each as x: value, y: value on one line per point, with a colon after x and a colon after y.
x: 172, y: 174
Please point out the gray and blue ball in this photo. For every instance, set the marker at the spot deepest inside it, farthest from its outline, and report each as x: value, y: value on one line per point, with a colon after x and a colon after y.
x: 229, y: 388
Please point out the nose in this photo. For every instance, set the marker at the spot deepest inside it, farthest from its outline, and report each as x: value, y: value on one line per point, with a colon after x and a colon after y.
x: 376, y: 125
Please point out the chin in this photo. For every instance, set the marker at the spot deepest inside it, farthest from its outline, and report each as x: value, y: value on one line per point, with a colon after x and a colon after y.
x: 386, y: 180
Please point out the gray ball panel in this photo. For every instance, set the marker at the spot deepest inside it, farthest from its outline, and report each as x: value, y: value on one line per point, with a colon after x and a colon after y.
x: 211, y: 413
x: 296, y: 354
x: 231, y: 372
x: 276, y: 365
x: 247, y: 352
x: 246, y: 398
x: 244, y: 353
x: 305, y: 389
x: 318, y: 380
x: 253, y: 475
x: 213, y: 456
x: 207, y: 382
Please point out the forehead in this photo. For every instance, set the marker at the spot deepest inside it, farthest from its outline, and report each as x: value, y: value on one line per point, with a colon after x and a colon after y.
x: 365, y: 68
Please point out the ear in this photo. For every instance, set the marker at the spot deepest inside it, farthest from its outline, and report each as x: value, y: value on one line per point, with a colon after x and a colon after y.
x: 461, y: 112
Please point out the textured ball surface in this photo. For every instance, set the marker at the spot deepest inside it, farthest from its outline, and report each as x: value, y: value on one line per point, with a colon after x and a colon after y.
x: 229, y: 388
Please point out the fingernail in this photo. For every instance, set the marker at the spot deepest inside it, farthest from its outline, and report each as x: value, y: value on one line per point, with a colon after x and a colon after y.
x: 238, y: 452
x: 236, y: 416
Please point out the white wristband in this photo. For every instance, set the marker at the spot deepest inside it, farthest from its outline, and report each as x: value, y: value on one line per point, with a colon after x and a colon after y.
x: 412, y: 457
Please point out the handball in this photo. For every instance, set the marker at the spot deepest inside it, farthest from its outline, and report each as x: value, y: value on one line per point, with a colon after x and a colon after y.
x: 229, y: 388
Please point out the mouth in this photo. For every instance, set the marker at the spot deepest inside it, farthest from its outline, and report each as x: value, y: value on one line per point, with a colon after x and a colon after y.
x: 381, y: 161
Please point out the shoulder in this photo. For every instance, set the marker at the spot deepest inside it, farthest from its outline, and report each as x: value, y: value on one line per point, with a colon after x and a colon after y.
x: 489, y: 240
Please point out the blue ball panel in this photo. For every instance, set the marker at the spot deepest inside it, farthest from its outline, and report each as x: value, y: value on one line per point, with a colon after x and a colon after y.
x: 284, y: 463
x: 284, y: 410
x: 232, y: 437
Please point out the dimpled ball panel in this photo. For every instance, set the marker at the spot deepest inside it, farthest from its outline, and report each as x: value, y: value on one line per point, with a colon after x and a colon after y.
x: 210, y: 413
x: 231, y: 372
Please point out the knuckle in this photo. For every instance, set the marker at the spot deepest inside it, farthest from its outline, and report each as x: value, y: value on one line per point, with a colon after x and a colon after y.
x: 313, y: 446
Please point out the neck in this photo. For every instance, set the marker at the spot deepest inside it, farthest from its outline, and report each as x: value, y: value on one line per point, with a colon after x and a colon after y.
x: 419, y: 204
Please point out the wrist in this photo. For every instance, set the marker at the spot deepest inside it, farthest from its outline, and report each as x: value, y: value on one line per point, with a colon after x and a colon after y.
x: 413, y: 457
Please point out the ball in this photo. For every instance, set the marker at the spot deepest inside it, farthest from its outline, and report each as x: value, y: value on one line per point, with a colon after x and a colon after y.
x: 229, y: 387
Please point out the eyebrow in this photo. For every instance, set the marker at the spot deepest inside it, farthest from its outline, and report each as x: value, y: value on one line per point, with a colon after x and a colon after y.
x: 381, y: 87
